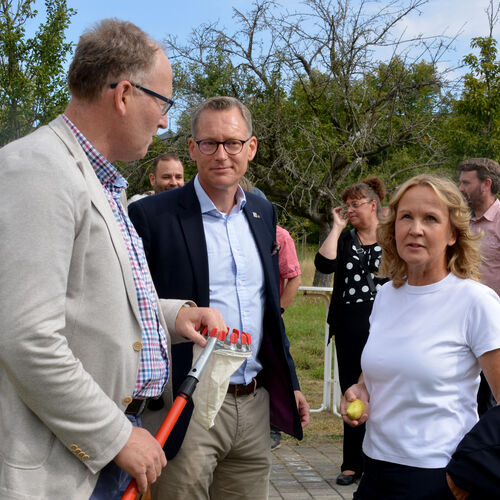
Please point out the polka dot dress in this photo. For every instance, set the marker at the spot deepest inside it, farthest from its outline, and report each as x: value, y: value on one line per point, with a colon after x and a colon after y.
x: 356, y: 285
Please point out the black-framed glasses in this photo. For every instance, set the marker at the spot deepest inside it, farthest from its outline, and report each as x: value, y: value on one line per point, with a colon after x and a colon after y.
x: 231, y: 146
x: 164, y: 107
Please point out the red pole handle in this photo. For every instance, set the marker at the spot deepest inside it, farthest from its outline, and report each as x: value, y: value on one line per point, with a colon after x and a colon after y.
x: 161, y: 436
x: 171, y: 418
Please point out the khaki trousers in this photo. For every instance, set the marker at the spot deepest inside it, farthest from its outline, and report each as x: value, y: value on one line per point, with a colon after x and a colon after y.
x: 232, y: 460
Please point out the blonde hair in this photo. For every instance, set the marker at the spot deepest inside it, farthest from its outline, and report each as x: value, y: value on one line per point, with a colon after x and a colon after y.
x: 221, y: 103
x: 463, y: 257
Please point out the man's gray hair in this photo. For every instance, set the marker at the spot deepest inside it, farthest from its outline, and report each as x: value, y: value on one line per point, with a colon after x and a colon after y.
x: 110, y: 51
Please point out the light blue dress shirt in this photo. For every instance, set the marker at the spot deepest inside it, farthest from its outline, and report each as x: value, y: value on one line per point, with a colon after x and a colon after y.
x: 236, y: 277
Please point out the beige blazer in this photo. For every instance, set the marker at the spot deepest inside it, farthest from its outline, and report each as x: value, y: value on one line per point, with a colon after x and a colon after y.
x: 69, y: 321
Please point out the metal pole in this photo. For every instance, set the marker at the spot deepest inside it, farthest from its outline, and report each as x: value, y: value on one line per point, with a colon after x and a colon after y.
x: 331, y: 386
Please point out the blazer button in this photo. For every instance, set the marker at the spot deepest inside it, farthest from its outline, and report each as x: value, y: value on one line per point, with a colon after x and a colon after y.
x: 73, y: 447
x: 137, y: 346
x: 127, y: 400
x: 85, y: 457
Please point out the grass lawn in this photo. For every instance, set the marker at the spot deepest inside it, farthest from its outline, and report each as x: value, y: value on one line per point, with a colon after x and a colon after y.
x: 305, y: 326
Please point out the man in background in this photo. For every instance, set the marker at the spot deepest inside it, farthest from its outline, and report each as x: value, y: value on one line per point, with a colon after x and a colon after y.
x: 290, y: 279
x: 480, y: 183
x: 168, y: 173
x: 84, y: 341
x: 224, y: 254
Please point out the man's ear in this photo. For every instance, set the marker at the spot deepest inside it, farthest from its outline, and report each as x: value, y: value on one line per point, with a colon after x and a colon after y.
x: 122, y: 96
x: 192, y: 146
x: 453, y: 237
x: 152, y: 179
x: 252, y: 148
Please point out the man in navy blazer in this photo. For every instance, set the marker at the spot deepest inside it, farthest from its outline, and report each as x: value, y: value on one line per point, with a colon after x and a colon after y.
x: 215, y: 244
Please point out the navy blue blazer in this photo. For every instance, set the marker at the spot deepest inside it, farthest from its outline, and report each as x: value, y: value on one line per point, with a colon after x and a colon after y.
x: 171, y: 227
x: 475, y: 465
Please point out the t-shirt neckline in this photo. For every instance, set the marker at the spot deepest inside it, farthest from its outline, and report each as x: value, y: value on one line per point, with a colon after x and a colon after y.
x: 433, y: 287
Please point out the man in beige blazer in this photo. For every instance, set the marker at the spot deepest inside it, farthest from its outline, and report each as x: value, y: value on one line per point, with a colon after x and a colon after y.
x: 83, y: 337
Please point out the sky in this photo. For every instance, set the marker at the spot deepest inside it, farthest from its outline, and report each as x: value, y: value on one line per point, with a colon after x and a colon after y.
x: 179, y: 17
x: 157, y: 18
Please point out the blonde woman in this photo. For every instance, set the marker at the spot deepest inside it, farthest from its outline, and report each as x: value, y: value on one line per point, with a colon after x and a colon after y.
x: 433, y: 328
x: 354, y: 257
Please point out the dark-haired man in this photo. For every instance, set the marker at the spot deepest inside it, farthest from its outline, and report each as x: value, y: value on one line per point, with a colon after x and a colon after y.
x: 84, y: 341
x: 480, y: 183
x: 168, y: 173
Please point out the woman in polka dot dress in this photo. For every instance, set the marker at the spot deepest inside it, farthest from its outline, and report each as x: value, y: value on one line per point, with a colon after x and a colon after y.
x: 352, y: 299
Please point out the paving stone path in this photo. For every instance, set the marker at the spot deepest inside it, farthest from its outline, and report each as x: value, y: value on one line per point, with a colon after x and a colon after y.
x: 302, y: 472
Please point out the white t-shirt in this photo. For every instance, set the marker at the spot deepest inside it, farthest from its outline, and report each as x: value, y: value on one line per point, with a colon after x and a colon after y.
x: 421, y: 370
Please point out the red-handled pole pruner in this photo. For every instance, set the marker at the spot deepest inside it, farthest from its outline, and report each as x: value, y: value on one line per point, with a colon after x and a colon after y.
x: 185, y: 392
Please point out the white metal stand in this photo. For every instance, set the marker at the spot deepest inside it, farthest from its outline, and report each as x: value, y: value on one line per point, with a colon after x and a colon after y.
x: 331, y: 386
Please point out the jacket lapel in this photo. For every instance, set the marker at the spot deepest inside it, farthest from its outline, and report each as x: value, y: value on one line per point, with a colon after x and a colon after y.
x: 100, y: 202
x: 194, y: 235
x: 262, y: 236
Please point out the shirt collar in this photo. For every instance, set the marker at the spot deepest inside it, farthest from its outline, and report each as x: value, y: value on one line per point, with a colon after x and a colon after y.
x: 105, y: 171
x: 492, y: 211
x: 207, y: 205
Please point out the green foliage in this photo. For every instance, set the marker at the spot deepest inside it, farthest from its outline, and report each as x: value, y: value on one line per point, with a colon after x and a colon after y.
x: 305, y: 326
x: 326, y: 112
x: 305, y: 322
x: 473, y: 127
x: 32, y: 83
x: 481, y: 95
x: 369, y: 124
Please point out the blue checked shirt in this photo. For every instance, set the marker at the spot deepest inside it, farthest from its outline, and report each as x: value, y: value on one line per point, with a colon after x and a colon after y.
x: 154, y: 363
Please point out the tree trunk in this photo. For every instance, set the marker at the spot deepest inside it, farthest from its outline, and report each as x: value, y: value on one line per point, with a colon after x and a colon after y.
x: 321, y: 279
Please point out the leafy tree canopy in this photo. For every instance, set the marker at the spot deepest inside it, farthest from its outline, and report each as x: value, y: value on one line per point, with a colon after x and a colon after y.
x: 32, y: 78
x: 326, y: 108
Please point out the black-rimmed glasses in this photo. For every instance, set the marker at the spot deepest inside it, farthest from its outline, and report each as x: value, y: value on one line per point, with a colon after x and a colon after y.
x: 231, y: 146
x: 164, y: 107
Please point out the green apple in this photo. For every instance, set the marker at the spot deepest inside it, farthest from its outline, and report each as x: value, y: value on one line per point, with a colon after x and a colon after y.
x: 355, y: 409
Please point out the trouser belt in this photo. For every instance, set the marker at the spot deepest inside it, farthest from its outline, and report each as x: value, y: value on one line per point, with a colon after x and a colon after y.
x: 137, y: 407
x: 242, y: 390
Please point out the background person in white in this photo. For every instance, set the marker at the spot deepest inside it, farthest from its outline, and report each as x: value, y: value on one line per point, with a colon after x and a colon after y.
x: 433, y: 327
